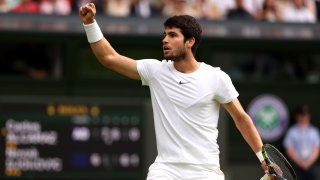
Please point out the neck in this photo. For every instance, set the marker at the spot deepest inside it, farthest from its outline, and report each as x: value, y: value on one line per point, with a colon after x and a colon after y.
x: 188, y: 65
x: 303, y: 125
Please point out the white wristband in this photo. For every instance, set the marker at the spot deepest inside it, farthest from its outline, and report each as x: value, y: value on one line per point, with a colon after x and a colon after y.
x: 93, y: 32
x: 260, y: 156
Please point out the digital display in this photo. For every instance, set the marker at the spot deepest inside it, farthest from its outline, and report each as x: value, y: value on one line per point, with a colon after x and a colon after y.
x: 71, y: 140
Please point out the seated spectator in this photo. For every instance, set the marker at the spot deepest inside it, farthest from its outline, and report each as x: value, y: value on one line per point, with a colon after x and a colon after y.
x: 13, y: 3
x: 174, y: 7
x: 253, y: 6
x: 210, y: 10
x: 180, y: 7
x: 221, y: 8
x: 58, y: 7
x: 300, y: 11
x: 239, y: 12
x: 193, y: 8
x: 27, y: 6
x: 269, y: 12
x: 117, y: 8
x: 143, y: 8
x: 4, y: 6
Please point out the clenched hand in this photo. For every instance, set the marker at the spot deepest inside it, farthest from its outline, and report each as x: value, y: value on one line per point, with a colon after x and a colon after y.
x: 87, y: 13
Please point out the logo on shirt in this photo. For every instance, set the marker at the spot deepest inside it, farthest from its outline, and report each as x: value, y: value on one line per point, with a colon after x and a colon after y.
x: 270, y: 116
x: 183, y: 82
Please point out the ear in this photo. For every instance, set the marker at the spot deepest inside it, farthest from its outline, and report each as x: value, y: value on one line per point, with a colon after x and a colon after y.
x: 190, y: 42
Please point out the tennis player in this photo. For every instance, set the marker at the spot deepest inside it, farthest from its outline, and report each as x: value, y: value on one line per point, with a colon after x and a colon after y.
x: 186, y: 96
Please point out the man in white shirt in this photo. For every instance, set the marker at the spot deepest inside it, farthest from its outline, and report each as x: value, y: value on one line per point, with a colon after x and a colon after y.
x: 300, y: 11
x: 186, y: 96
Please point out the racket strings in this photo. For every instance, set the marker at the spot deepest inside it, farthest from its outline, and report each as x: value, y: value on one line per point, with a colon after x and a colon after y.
x: 277, y: 158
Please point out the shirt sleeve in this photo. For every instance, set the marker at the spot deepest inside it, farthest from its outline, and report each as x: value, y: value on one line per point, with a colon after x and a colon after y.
x: 317, y: 136
x: 288, y: 139
x: 147, y: 69
x: 226, y: 92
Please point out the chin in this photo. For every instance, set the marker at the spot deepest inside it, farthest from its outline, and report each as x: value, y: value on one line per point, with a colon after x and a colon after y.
x: 173, y: 58
x: 168, y: 57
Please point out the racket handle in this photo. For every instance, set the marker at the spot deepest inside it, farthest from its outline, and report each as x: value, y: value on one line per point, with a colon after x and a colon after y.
x: 265, y: 177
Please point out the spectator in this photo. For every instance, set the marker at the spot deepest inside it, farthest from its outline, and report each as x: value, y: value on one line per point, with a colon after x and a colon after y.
x: 174, y: 7
x: 223, y: 8
x: 269, y: 12
x: 117, y: 8
x: 253, y: 6
x: 27, y: 6
x: 4, y: 6
x: 59, y: 7
x: 13, y: 3
x: 180, y: 7
x: 302, y: 144
x: 300, y: 11
x: 239, y: 12
x: 143, y: 8
x: 210, y: 10
x: 194, y: 8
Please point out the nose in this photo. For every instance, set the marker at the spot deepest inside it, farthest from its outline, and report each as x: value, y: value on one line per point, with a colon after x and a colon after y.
x: 164, y: 40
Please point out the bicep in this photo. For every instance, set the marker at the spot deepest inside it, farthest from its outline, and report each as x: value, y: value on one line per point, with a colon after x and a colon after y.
x: 125, y: 66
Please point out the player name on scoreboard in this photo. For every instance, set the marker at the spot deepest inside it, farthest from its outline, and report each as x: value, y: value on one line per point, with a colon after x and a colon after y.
x: 58, y: 139
x: 21, y: 137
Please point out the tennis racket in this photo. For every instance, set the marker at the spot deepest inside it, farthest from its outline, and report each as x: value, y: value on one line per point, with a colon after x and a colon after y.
x: 277, y: 164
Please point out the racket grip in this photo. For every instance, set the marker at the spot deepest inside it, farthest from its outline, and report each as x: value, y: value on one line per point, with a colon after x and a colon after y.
x: 265, y: 177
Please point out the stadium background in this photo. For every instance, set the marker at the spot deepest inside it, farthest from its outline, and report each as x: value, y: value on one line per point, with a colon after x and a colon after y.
x: 46, y: 61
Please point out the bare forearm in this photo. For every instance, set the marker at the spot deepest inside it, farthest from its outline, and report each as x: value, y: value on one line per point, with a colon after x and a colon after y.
x: 244, y: 124
x: 102, y: 49
x: 294, y: 157
x: 249, y: 133
x: 304, y: 163
x: 314, y: 156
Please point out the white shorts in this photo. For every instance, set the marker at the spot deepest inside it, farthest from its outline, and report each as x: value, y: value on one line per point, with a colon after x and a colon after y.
x: 179, y: 171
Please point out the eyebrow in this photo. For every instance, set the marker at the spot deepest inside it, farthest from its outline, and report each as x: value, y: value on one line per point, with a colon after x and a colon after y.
x: 169, y: 32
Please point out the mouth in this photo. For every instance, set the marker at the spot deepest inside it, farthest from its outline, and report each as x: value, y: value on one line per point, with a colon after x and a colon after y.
x: 165, y: 49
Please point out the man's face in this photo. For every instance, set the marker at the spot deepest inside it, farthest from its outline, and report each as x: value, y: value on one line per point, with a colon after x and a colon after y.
x: 173, y: 44
x: 303, y: 119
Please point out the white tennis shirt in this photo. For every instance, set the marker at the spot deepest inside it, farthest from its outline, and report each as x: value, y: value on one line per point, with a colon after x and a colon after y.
x: 186, y: 110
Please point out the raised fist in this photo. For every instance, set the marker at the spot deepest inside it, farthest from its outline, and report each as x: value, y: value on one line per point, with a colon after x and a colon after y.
x: 87, y: 13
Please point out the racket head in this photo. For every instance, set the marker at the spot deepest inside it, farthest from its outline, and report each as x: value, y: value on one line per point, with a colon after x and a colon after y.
x: 273, y: 156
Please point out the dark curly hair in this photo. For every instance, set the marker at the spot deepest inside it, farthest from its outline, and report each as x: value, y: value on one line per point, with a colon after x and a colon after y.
x: 189, y: 27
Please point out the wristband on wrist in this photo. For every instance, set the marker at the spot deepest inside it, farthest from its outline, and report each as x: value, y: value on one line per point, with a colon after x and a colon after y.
x: 260, y: 156
x: 93, y: 32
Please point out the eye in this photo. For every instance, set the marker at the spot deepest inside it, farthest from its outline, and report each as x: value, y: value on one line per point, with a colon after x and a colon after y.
x: 164, y: 35
x: 172, y: 34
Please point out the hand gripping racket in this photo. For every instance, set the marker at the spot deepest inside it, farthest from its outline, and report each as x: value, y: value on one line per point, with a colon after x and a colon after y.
x: 277, y: 164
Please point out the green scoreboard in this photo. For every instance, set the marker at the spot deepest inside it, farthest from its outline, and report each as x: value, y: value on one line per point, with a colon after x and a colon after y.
x: 71, y: 138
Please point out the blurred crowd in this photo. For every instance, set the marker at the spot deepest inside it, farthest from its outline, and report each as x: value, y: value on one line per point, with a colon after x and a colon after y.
x: 305, y: 11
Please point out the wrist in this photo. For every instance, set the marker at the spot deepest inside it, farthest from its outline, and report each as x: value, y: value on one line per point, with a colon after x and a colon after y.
x: 260, y: 156
x: 93, y: 32
x: 88, y: 22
